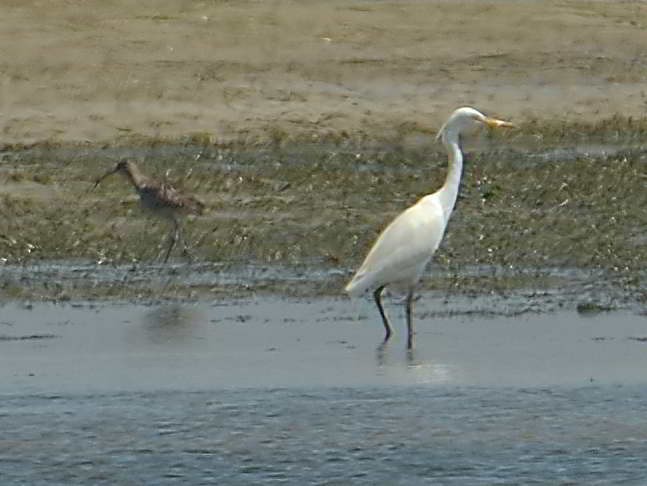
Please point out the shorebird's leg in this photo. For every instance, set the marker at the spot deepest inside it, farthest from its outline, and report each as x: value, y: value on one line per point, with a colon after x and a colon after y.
x: 377, y: 295
x: 186, y: 250
x: 409, y: 319
x: 175, y: 233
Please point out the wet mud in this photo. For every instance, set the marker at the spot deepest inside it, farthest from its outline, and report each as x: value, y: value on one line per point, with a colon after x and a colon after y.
x: 308, y: 133
x: 297, y: 220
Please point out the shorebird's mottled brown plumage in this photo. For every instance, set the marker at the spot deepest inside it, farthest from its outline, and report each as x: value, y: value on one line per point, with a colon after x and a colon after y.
x: 161, y: 198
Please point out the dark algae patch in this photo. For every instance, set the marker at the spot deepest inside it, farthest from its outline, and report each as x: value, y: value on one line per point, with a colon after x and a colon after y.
x: 29, y: 337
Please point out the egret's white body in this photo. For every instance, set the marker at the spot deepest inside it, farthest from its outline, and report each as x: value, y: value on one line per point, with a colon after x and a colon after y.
x: 403, y: 250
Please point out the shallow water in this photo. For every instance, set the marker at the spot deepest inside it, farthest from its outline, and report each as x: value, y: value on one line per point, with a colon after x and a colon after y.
x: 273, y: 342
x: 299, y: 391
x: 386, y: 435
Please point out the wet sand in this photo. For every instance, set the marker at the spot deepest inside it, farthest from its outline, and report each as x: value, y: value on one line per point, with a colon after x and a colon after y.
x: 267, y: 342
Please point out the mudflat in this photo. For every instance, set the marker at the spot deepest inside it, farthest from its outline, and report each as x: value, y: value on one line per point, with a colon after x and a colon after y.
x: 304, y: 128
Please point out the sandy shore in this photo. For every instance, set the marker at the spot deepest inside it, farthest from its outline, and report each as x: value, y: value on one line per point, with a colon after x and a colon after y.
x: 249, y: 70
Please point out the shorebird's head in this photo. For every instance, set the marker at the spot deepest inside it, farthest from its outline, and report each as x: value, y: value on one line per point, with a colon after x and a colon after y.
x: 123, y: 167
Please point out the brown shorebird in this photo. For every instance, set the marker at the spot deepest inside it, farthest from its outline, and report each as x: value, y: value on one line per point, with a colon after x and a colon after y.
x: 160, y: 198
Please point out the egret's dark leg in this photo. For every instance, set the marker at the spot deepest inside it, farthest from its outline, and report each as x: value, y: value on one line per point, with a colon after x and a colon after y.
x: 377, y: 295
x: 176, y: 234
x: 409, y: 320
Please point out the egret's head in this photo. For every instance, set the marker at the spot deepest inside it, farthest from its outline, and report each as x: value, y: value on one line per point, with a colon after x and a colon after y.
x: 467, y: 120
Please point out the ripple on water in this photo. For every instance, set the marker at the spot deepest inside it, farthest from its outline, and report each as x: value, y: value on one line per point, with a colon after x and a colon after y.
x: 393, y: 435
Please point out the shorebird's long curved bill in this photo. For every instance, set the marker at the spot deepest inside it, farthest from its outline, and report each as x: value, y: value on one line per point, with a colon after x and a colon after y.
x: 100, y: 179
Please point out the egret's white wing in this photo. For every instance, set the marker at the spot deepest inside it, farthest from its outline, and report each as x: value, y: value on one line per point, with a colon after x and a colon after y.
x: 404, y: 247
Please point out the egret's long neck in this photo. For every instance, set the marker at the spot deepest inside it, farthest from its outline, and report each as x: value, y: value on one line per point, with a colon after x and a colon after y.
x: 449, y: 191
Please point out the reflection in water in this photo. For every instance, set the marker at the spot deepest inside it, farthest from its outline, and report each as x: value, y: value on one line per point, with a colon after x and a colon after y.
x: 432, y: 373
x: 170, y: 323
x: 383, y: 355
x: 411, y: 358
x: 414, y: 368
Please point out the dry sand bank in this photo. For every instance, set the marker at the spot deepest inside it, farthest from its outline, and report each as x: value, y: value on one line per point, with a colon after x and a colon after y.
x: 100, y: 70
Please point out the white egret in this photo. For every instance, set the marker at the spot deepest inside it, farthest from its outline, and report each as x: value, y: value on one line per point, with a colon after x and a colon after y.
x: 402, y: 251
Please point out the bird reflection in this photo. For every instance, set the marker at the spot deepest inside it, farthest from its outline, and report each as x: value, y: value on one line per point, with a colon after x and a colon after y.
x: 169, y: 323
x: 413, y: 368
x: 382, y: 355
